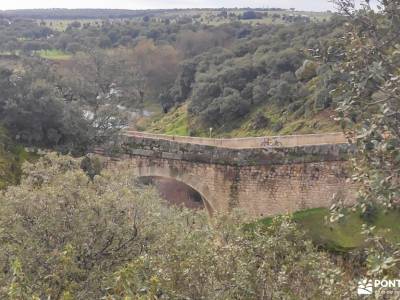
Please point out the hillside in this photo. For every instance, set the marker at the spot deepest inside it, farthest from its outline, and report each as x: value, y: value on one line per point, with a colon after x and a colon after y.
x: 242, y: 72
x: 177, y: 122
x: 346, y: 234
x: 269, y: 82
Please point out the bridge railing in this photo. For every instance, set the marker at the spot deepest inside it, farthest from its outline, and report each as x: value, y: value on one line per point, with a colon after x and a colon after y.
x: 251, y: 142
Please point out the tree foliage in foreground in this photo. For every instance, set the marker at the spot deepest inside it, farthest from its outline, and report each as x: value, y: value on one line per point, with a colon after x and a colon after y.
x: 370, y: 111
x: 371, y: 105
x: 66, y: 236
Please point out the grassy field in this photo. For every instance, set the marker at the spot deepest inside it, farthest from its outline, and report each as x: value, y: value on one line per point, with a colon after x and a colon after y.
x: 174, y: 123
x: 209, y: 16
x: 346, y: 234
x: 54, y: 54
x: 61, y: 25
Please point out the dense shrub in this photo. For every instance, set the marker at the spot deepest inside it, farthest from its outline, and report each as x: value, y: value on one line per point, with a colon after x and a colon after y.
x: 64, y: 236
x: 35, y: 113
x: 270, y: 67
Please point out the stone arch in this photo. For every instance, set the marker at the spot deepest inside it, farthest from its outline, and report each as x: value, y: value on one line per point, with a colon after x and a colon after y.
x: 191, y: 180
x: 203, y: 201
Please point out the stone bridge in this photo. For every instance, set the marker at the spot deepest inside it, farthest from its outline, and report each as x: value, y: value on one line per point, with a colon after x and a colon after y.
x: 298, y: 172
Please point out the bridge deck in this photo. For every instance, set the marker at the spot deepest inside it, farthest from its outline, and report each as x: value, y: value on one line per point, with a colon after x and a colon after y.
x: 251, y: 142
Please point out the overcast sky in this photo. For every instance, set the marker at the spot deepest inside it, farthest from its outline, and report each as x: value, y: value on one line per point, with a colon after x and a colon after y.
x: 315, y: 5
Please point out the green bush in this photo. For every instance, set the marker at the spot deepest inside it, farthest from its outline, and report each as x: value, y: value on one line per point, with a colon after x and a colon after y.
x: 322, y: 100
x: 64, y: 236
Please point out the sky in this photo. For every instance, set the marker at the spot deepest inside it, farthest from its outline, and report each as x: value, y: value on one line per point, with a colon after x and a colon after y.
x: 310, y: 5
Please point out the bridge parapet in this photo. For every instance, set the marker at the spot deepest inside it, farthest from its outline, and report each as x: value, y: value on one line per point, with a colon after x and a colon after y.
x: 251, y: 142
x: 199, y: 153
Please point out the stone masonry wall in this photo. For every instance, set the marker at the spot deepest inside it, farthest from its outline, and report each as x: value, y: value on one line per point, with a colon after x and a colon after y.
x: 261, y: 182
x: 258, y: 190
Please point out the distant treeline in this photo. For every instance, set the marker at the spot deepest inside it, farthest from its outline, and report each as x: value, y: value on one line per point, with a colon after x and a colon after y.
x: 76, y: 13
x: 95, y: 13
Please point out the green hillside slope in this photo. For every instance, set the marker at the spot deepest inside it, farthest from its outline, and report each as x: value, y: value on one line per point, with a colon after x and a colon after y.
x: 346, y: 234
x: 271, y: 82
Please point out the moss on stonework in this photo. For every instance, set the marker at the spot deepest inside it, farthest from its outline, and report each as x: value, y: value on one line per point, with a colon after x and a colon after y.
x: 234, y: 190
